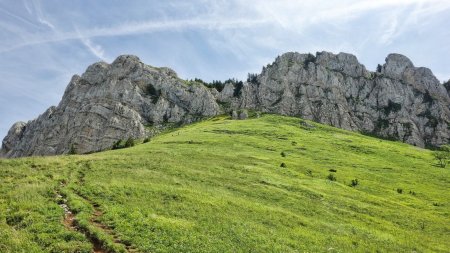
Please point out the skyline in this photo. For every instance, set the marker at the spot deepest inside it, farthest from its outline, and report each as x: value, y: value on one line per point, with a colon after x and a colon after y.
x: 44, y: 43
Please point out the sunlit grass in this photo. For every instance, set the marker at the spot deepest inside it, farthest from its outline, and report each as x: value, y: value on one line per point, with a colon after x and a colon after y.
x: 218, y: 186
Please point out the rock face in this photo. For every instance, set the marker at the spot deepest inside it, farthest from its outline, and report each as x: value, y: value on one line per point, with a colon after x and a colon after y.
x: 127, y: 98
x: 399, y: 102
x: 110, y: 102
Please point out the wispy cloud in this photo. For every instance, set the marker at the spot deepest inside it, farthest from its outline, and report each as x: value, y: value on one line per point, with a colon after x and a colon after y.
x: 40, y: 15
x: 292, y: 16
x: 95, y: 49
x: 27, y: 7
x: 21, y: 19
x: 389, y: 28
x: 138, y: 28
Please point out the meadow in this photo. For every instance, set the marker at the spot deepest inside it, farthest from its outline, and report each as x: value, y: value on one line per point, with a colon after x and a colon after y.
x: 267, y: 184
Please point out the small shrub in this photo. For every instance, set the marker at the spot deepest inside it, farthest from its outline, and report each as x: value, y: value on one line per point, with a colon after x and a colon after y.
x: 153, y: 93
x: 218, y: 85
x: 442, y: 157
x: 252, y: 78
x: 427, y: 98
x: 283, y: 165
x: 198, y: 80
x: 294, y: 143
x: 129, y: 143
x: 399, y: 190
x: 146, y: 140
x: 72, y: 150
x: 379, y: 68
x: 447, y: 86
x: 309, y: 173
x: 371, y: 76
x: 412, y: 193
x: 309, y: 58
x: 331, y: 177
x: 392, y: 107
x: 332, y: 170
x: 15, y: 219
x: 117, y: 144
x: 422, y: 225
x: 283, y: 154
x: 238, y: 89
x: 354, y: 182
x: 121, y: 144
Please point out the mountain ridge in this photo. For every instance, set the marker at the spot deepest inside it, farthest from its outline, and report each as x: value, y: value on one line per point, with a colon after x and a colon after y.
x: 128, y: 99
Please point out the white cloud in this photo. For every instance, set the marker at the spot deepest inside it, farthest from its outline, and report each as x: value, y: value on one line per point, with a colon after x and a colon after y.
x: 23, y: 20
x: 389, y: 29
x: 138, y: 28
x: 291, y: 16
x: 41, y: 16
x: 27, y: 7
x: 95, y: 49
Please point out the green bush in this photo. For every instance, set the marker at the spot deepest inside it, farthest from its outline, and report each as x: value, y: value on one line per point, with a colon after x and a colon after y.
x: 72, y: 150
x: 331, y: 177
x: 442, y: 155
x: 123, y: 144
x: 354, y: 182
x: 252, y: 78
x: 117, y: 145
x: 129, y: 143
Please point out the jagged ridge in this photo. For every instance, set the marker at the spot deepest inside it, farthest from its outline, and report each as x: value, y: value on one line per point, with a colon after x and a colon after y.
x: 127, y: 98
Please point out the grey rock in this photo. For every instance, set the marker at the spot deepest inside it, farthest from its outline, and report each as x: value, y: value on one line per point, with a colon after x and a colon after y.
x: 306, y: 125
x: 110, y: 102
x: 14, y: 136
x: 402, y: 102
x: 234, y: 115
x: 127, y: 98
x: 395, y: 65
x: 243, y: 114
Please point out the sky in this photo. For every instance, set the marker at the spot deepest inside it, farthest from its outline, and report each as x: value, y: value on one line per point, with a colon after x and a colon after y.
x: 44, y: 42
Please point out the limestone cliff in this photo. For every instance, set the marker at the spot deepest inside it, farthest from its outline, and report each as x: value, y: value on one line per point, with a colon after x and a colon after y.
x: 110, y: 102
x: 127, y: 99
x: 399, y: 101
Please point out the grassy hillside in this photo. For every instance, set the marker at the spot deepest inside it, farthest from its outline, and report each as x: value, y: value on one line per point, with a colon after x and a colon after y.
x: 258, y: 185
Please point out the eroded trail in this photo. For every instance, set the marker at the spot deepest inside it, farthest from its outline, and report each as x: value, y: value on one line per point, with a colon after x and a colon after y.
x: 95, y: 220
x: 98, y: 213
x: 68, y: 215
x: 70, y: 220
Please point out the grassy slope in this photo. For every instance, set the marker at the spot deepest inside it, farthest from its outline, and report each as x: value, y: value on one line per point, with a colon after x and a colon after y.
x: 217, y: 186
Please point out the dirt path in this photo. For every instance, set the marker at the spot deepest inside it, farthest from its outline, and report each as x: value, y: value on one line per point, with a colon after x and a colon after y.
x: 70, y: 219
x: 95, y: 220
x: 69, y: 223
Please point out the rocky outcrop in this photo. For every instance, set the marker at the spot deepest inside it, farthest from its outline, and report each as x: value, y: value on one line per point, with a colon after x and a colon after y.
x: 399, y: 102
x: 127, y: 99
x: 110, y: 102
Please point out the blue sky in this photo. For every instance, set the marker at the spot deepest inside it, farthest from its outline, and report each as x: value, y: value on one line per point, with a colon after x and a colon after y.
x: 43, y: 43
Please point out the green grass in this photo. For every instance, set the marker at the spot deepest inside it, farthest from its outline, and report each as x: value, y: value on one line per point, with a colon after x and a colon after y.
x: 218, y: 186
